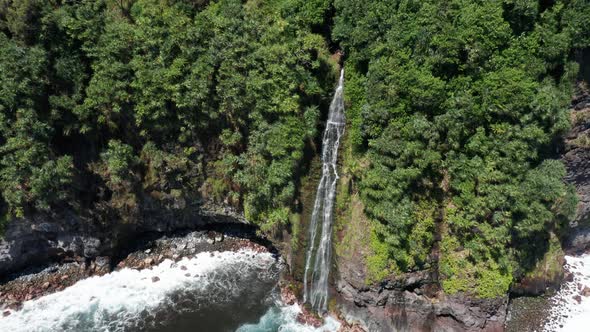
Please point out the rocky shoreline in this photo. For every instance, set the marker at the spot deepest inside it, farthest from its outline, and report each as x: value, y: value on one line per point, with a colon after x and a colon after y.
x: 29, y: 285
x: 535, y: 313
x: 307, y: 316
x: 56, y: 277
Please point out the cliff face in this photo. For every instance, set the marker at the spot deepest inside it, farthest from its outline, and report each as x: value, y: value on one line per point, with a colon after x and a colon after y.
x: 38, y: 240
x: 577, y: 160
x: 384, y: 301
x: 400, y: 307
x: 414, y: 301
x: 406, y: 302
x: 42, y: 239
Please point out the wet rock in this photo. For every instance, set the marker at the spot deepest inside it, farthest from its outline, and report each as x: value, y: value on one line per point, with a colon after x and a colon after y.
x: 219, y: 237
x: 6, y: 313
x: 308, y: 318
x: 578, y: 298
x: 586, y: 291
x: 287, y: 295
x: 182, y: 267
x: 57, y: 277
x: 345, y: 327
x: 575, y: 158
x: 102, y: 265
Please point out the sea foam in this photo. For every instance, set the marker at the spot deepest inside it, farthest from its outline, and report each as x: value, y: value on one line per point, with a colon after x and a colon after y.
x: 131, y: 299
x: 567, y: 314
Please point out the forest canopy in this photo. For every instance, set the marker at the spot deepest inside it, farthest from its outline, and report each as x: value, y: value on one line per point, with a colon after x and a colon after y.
x: 115, y: 105
x: 458, y: 107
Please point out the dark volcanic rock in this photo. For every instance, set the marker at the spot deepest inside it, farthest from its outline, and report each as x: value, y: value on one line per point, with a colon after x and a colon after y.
x: 381, y: 309
x: 576, y: 158
x: 307, y: 317
x: 59, y: 276
x: 39, y: 240
x: 42, y: 239
x: 48, y: 280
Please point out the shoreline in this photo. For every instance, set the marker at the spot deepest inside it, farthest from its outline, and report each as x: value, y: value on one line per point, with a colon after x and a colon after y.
x: 551, y: 311
x: 149, y: 253
x: 58, y: 276
x: 36, y: 283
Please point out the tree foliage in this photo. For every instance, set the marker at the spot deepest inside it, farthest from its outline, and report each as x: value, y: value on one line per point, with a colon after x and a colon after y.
x: 119, y: 104
x: 458, y: 105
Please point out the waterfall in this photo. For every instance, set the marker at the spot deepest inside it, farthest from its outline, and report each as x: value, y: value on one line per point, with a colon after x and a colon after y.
x: 316, y: 293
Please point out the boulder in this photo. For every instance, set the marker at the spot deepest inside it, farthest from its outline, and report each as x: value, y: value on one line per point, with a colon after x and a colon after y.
x: 307, y: 318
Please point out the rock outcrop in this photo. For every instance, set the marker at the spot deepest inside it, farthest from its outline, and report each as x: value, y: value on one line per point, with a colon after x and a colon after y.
x: 37, y: 240
x: 576, y: 157
x: 406, y: 302
x: 57, y: 277
x: 412, y: 303
x: 41, y: 239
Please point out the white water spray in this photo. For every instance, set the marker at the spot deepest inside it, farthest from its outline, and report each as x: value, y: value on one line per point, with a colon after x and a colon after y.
x: 133, y: 300
x: 571, y: 308
x: 316, y: 293
x: 283, y: 318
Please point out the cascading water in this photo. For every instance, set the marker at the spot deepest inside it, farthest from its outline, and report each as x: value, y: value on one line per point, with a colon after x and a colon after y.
x: 316, y: 293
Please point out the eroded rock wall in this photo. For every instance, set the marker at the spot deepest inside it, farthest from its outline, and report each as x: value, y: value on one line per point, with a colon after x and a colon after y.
x: 43, y: 239
x: 576, y: 157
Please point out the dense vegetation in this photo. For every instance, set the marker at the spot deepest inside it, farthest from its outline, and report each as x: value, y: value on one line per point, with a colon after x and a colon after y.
x: 457, y: 107
x: 112, y: 107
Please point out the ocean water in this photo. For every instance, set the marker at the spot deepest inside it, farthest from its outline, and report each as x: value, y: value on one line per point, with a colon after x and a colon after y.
x: 213, y: 291
x: 567, y: 314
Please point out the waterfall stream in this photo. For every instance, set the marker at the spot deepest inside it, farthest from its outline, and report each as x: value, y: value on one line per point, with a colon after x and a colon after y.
x: 317, y: 264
